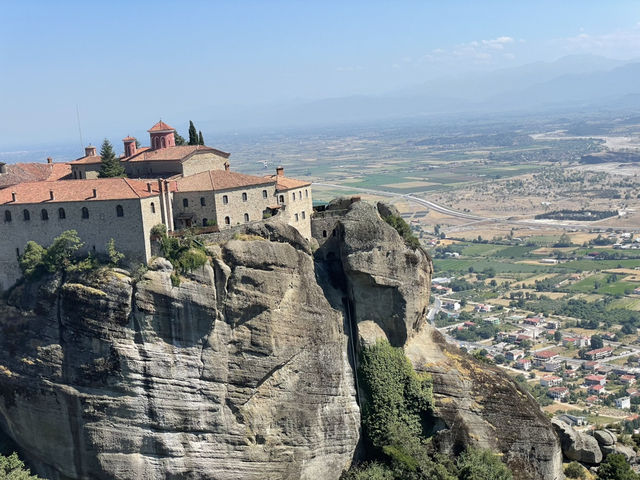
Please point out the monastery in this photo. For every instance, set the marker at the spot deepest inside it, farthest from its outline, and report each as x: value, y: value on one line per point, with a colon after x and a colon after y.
x: 176, y: 186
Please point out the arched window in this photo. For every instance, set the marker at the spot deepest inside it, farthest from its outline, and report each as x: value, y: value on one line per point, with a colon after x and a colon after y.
x: 300, y: 194
x: 26, y: 215
x: 244, y: 196
x: 7, y: 216
x: 164, y: 142
x: 85, y: 212
x: 75, y: 175
x: 155, y: 143
x: 44, y: 215
x: 246, y: 217
x: 61, y: 213
x: 324, y: 233
x: 153, y: 207
x: 264, y: 194
x: 294, y: 195
x: 225, y: 199
x: 120, y: 211
x: 203, y: 202
x: 227, y: 221
x: 281, y: 198
x: 296, y: 217
x: 185, y: 202
x: 306, y: 193
x: 304, y: 215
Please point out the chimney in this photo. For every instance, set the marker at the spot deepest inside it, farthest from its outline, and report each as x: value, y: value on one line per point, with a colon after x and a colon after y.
x: 226, y: 166
x: 13, y: 196
x: 50, y: 194
x: 95, y: 193
x: 90, y: 151
x: 3, y: 167
x: 49, y: 160
x: 280, y: 171
x: 149, y: 187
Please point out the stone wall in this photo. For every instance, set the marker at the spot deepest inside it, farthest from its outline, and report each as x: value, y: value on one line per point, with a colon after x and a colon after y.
x: 202, y: 162
x: 297, y: 209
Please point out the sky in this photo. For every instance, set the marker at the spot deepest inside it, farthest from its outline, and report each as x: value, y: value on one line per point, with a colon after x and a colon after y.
x: 124, y: 64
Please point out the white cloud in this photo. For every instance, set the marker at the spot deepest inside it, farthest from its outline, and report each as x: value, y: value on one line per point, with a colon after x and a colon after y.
x: 617, y: 44
x: 477, y: 51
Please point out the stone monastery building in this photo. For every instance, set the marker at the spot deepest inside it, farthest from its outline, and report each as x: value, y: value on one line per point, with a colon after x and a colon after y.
x: 177, y: 186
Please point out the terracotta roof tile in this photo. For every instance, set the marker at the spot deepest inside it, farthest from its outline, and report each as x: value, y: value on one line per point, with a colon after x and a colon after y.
x: 284, y: 183
x: 218, y: 180
x: 128, y: 139
x: 77, y: 190
x: 160, y: 127
x: 177, y: 153
x: 87, y: 160
x: 33, y: 172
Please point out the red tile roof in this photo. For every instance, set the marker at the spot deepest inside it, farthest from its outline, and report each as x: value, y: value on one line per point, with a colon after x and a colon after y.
x: 546, y: 354
x: 33, y: 172
x: 177, y: 153
x: 87, y: 160
x: 77, y: 190
x: 284, y: 183
x: 161, y: 127
x: 218, y: 180
x: 128, y: 139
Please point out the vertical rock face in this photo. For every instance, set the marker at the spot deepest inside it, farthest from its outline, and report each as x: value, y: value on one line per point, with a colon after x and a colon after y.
x: 387, y: 285
x: 241, y: 372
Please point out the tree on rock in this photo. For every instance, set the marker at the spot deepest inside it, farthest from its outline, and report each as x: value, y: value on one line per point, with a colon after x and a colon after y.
x: 12, y: 468
x: 193, y: 134
x: 200, y: 138
x: 616, y: 467
x: 110, y: 164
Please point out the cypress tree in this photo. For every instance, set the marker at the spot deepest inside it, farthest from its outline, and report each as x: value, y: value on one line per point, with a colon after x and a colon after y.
x: 193, y: 134
x: 110, y: 164
x: 200, y: 138
x: 179, y: 139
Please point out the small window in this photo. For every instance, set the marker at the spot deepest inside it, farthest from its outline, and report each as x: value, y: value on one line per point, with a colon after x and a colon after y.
x: 306, y: 193
x: 246, y: 217
x: 18, y: 253
x: 203, y: 202
x: 303, y: 215
x: 26, y: 215
x: 85, y: 212
x: 300, y: 194
x: 153, y: 207
x: 61, y: 214
x: 225, y: 199
x: 7, y: 216
x: 204, y: 222
x: 281, y: 198
x: 185, y: 202
x: 120, y: 211
x: 44, y: 215
x: 264, y: 194
x: 227, y: 221
x: 294, y: 195
x: 296, y: 217
x: 324, y: 233
x: 244, y: 196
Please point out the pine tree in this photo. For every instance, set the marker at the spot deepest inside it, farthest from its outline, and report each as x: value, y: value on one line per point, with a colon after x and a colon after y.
x: 193, y: 134
x: 179, y: 139
x: 200, y: 138
x: 110, y: 164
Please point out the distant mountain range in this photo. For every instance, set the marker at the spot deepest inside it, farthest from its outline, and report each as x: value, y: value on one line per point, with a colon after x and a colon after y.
x: 576, y: 81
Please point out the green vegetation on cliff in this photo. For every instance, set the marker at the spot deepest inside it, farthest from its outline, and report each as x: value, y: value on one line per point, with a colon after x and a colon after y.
x: 396, y: 420
x: 403, y: 228
x: 12, y: 468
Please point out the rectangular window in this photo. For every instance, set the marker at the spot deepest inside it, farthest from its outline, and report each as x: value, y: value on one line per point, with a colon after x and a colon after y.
x: 303, y: 215
x: 296, y: 217
x: 203, y: 201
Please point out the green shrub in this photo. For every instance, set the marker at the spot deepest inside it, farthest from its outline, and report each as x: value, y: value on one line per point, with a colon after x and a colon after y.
x: 369, y: 471
x: 477, y: 464
x: 404, y: 230
x: 31, y: 261
x: 575, y: 470
x: 115, y: 257
x: 159, y: 230
x: 616, y: 467
x: 12, y: 468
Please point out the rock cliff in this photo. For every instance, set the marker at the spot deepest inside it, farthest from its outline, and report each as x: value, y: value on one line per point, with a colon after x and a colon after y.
x: 243, y: 371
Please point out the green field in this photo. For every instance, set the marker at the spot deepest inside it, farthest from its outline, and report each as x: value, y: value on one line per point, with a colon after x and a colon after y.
x: 614, y: 288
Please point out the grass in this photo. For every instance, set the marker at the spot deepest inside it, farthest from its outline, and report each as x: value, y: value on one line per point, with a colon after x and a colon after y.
x: 462, y: 265
x: 517, y: 251
x: 481, y: 249
x: 598, y: 265
x: 614, y: 288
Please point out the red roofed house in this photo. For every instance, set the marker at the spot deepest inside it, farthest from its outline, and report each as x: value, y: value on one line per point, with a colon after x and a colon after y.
x: 596, y: 389
x: 523, y: 364
x: 550, y: 381
x: 558, y: 393
x: 595, y: 380
x: 544, y: 356
x: 628, y: 379
x: 598, y: 353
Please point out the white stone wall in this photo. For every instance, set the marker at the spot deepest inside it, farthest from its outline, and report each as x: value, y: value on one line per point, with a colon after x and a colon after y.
x: 203, y: 162
x: 236, y: 207
x: 297, y: 209
x: 195, y: 207
x: 130, y: 232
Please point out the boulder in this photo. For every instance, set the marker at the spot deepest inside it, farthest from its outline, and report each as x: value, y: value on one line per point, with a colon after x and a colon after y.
x: 628, y: 452
x: 576, y: 445
x: 605, y: 437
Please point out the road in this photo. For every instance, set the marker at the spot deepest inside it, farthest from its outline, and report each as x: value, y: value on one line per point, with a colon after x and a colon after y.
x: 468, y: 216
x: 437, y: 305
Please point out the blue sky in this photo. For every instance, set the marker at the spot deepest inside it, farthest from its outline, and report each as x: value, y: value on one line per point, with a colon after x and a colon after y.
x: 128, y: 63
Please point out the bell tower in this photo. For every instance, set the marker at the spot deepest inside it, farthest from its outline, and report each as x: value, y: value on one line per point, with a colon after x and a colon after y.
x: 162, y: 136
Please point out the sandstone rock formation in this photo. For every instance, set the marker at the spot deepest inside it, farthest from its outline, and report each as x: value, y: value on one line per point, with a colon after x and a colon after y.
x: 244, y: 370
x: 241, y: 372
x: 577, y: 445
x: 476, y: 404
x: 605, y: 437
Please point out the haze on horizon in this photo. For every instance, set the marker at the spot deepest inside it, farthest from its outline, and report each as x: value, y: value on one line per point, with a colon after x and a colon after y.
x: 229, y: 65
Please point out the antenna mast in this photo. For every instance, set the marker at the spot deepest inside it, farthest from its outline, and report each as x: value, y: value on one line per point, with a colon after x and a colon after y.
x: 79, y: 128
